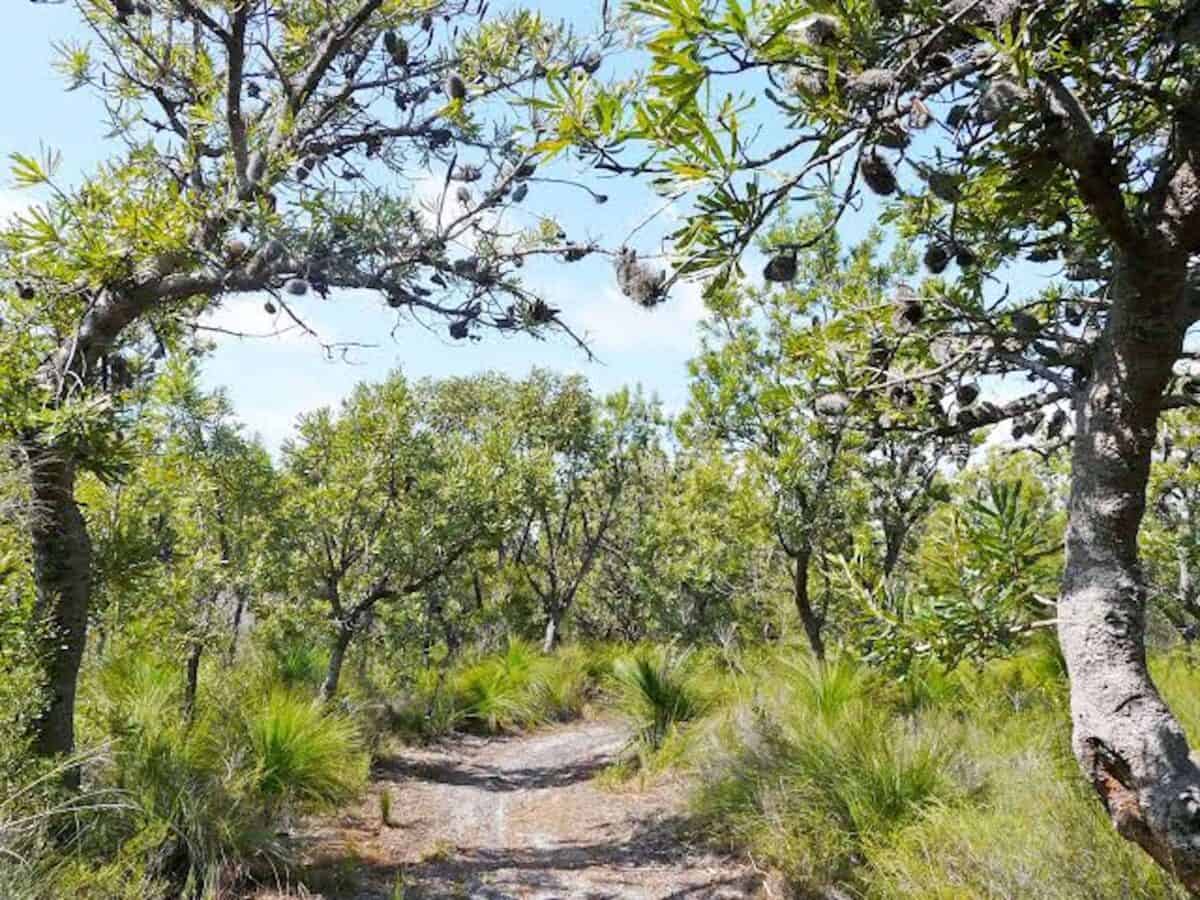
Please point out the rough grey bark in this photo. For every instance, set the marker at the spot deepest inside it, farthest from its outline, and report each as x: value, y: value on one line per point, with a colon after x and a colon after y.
x: 62, y: 568
x: 810, y: 619
x: 1129, y: 744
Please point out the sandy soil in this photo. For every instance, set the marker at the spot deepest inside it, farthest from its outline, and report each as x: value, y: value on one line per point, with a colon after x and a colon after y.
x: 514, y: 817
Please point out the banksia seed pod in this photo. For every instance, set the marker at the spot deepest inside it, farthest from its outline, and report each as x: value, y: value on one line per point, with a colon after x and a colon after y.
x: 894, y: 136
x: 466, y: 173
x: 1042, y: 253
x: 965, y: 257
x: 870, y: 83
x: 464, y: 195
x: 938, y: 62
x: 819, y: 30
x: 459, y: 329
x: 944, y: 186
x: 902, y: 396
x: 909, y: 314
x: 269, y: 308
x: 519, y: 192
x: 297, y: 287
x: 958, y: 115
x: 936, y: 258
x: 877, y: 174
x: 780, y: 268
x: 919, y: 116
x: 1024, y: 324
x: 456, y: 88
x: 1057, y: 423
x: 1000, y: 99
x: 832, y: 405
x: 235, y: 250
x: 639, y: 281
x: 967, y: 394
x: 25, y: 291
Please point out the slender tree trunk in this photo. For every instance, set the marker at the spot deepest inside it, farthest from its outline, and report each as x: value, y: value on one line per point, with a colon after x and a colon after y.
x: 193, y: 680
x: 239, y: 609
x: 809, y: 617
x: 1128, y: 743
x: 62, y: 568
x: 553, y: 625
x: 337, y: 656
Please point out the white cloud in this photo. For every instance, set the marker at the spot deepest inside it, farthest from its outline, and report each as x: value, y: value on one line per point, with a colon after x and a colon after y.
x: 616, y: 324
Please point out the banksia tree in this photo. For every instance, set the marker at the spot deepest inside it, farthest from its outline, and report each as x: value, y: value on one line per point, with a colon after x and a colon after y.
x: 261, y: 147
x: 1054, y: 132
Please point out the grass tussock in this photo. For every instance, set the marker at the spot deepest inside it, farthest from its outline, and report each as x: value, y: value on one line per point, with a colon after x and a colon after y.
x: 515, y: 689
x: 179, y: 808
x: 812, y: 767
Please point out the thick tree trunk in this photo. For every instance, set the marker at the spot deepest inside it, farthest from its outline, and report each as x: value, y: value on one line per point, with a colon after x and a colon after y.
x: 337, y: 656
x: 62, y: 568
x: 1127, y: 742
x: 809, y: 617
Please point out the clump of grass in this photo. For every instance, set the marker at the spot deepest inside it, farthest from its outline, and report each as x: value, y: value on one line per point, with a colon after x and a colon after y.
x: 815, y: 767
x: 202, y: 802
x: 515, y: 689
x: 652, y: 690
x: 301, y: 756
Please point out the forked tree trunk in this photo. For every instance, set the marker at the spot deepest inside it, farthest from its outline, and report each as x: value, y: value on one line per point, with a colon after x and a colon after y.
x: 809, y: 617
x: 1128, y: 743
x: 62, y: 569
x: 337, y: 656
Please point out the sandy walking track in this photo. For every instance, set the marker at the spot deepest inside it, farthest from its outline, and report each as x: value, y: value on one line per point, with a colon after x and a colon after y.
x: 516, y: 817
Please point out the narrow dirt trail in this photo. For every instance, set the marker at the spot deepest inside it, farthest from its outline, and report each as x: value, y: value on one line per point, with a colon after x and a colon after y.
x: 518, y: 817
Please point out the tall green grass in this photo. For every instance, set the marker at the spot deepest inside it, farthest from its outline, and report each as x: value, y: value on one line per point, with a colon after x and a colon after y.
x: 203, y: 803
x: 813, y: 767
x: 652, y: 689
x: 514, y: 689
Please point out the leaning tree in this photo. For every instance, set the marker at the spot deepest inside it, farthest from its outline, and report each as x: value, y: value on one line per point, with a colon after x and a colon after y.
x: 1002, y: 135
x: 289, y: 147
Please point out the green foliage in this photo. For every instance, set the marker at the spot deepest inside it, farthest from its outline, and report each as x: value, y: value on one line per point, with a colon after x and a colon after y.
x: 653, y: 693
x: 302, y: 757
x: 814, y: 769
x: 985, y: 570
x: 508, y: 690
x: 202, y: 801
